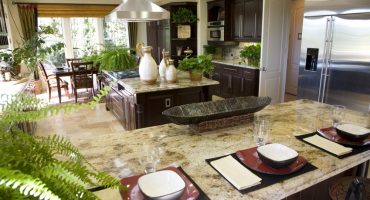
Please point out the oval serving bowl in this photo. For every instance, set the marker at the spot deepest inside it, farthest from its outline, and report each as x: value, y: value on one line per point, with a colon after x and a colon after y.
x: 162, y: 185
x: 199, y: 112
x: 277, y: 155
x: 352, y: 132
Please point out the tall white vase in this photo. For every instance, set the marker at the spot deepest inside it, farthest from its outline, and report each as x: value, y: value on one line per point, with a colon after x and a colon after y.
x: 163, y: 65
x: 171, y: 72
x: 148, y: 67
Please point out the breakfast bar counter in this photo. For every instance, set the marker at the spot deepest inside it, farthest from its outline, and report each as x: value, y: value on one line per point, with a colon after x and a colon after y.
x: 188, y: 149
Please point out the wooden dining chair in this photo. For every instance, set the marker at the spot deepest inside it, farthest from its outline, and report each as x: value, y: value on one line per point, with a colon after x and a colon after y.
x: 82, y: 77
x: 69, y: 61
x: 51, y: 81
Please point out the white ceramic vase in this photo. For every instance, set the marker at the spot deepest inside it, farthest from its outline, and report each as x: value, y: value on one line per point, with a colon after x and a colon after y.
x: 148, y: 70
x: 171, y: 72
x: 163, y: 64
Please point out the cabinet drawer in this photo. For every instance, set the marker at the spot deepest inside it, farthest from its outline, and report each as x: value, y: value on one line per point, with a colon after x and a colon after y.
x: 231, y: 69
x: 249, y: 73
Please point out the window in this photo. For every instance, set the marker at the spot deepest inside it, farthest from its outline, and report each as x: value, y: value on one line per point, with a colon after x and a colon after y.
x: 57, y: 58
x: 115, y: 33
x: 83, y: 35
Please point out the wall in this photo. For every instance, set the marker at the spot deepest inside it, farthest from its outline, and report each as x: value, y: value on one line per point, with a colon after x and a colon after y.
x: 13, y: 24
x: 141, y: 33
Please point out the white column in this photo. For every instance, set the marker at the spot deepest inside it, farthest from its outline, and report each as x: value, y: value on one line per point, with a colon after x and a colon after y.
x: 67, y: 35
x: 100, y: 33
x: 202, y: 25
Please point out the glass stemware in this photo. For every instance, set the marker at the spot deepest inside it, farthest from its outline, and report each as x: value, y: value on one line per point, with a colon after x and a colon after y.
x: 337, y: 114
x: 150, y: 158
x: 261, y: 130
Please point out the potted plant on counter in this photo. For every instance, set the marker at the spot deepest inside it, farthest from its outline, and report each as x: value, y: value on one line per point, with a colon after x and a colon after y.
x: 197, y: 66
x: 183, y: 17
x: 251, y: 54
x: 7, y: 58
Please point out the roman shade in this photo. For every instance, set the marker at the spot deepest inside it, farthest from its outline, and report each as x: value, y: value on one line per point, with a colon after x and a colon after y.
x: 74, y: 10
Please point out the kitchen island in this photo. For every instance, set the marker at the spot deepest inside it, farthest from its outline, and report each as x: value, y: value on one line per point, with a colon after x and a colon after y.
x: 188, y: 149
x: 137, y: 105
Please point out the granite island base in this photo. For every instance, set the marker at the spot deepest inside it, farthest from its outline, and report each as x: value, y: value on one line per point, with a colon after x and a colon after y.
x: 188, y: 149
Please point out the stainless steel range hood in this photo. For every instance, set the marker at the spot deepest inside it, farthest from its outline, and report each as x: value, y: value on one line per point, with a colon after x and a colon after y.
x: 139, y: 11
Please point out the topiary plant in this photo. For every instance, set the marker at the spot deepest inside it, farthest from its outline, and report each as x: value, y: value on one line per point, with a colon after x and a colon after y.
x: 44, y: 167
x: 183, y: 16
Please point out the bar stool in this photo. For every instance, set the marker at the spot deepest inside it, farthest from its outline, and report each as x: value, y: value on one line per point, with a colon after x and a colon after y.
x: 342, y: 189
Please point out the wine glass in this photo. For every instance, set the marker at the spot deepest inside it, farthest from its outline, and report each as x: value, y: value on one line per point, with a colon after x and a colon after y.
x: 150, y: 157
x: 261, y: 131
x: 337, y: 114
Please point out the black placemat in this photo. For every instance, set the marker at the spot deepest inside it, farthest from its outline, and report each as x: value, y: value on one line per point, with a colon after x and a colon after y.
x: 267, y: 179
x: 202, y: 195
x: 355, y: 149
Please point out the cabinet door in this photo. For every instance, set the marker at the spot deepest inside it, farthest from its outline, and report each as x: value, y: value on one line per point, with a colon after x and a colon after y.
x: 237, y: 18
x: 155, y: 105
x: 238, y: 85
x: 249, y: 26
x: 259, y: 18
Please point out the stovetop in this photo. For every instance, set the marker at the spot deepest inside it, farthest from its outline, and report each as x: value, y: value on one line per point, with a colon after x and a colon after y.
x: 128, y: 73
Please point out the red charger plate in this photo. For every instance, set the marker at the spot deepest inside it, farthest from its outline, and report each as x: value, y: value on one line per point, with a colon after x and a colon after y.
x: 250, y: 158
x: 133, y: 191
x: 331, y: 134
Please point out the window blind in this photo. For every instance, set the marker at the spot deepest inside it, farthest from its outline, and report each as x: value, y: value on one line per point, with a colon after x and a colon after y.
x: 74, y: 10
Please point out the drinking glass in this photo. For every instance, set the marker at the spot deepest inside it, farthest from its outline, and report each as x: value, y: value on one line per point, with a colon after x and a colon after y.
x: 337, y: 114
x: 261, y: 131
x: 150, y: 158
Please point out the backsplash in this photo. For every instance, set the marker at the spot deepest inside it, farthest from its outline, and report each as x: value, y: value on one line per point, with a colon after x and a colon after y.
x: 230, y: 53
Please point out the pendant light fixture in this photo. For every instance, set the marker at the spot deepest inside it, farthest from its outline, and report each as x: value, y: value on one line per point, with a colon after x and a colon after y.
x: 139, y: 11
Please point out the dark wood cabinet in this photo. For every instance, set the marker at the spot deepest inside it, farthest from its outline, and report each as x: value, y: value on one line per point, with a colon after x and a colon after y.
x: 151, y: 105
x: 163, y: 34
x: 234, y: 81
x: 247, y: 20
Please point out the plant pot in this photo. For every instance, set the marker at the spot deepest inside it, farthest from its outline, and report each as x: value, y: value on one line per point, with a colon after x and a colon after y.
x: 16, y: 70
x: 195, y: 76
x: 183, y: 31
x: 38, y: 86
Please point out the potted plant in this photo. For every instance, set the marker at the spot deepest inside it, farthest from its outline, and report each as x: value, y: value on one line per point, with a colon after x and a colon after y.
x: 183, y: 17
x: 34, y: 51
x: 252, y: 53
x: 44, y: 167
x: 197, y: 66
x: 113, y: 58
x: 7, y: 58
x: 209, y: 49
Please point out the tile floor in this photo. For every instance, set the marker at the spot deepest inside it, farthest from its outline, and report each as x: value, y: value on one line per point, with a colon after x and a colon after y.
x: 79, y: 124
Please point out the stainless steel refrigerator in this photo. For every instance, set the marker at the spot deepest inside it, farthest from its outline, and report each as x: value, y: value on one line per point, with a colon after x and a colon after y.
x: 335, y: 57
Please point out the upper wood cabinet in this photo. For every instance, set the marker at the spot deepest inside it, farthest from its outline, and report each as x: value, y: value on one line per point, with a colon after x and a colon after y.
x: 247, y: 20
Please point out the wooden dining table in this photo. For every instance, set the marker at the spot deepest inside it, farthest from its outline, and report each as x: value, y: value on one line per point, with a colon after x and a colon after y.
x: 65, y: 72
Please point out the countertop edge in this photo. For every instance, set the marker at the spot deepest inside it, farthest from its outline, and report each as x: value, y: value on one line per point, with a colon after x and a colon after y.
x: 235, y: 65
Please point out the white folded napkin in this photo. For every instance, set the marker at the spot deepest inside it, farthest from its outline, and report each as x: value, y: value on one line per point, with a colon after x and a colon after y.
x: 235, y: 173
x: 108, y: 194
x: 328, y: 145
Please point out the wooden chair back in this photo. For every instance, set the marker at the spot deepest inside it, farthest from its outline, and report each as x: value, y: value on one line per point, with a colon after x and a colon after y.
x: 82, y: 74
x: 69, y: 61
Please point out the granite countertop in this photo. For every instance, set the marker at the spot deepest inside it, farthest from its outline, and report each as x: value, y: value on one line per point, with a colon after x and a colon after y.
x: 183, y: 147
x: 135, y: 86
x: 234, y: 63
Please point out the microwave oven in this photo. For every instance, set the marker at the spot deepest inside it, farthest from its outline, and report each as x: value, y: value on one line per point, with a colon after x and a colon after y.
x: 215, y: 31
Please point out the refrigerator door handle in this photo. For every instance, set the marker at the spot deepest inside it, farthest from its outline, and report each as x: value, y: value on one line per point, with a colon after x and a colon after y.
x: 322, y: 74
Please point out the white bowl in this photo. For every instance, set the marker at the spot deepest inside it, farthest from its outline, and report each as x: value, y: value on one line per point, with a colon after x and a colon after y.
x: 162, y: 185
x: 352, y: 132
x: 277, y: 155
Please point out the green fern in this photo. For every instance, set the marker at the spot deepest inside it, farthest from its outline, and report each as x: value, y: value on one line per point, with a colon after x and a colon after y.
x: 44, y: 167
